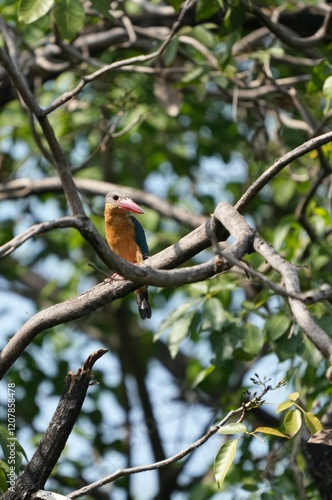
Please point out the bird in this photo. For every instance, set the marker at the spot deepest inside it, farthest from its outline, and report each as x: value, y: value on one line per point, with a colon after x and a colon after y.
x: 126, y: 237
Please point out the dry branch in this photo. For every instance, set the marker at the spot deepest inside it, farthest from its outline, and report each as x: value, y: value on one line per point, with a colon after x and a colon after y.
x: 54, y: 440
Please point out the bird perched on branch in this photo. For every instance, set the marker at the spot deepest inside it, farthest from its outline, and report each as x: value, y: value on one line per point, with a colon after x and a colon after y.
x: 126, y: 237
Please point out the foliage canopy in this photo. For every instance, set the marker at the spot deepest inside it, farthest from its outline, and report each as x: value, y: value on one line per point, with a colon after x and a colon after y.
x: 185, y: 105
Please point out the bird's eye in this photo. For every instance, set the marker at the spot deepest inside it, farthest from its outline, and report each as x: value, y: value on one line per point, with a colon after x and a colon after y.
x: 115, y: 197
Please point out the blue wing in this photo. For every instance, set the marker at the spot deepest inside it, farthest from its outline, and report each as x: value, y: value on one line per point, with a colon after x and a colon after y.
x: 140, y: 237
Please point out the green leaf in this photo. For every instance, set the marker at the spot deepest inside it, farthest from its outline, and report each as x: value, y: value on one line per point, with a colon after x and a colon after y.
x: 194, y: 74
x: 204, y: 9
x: 204, y: 36
x: 233, y: 428
x: 31, y: 10
x: 293, y: 422
x: 202, y: 376
x: 171, y: 51
x: 327, y: 92
x: 214, y: 314
x: 234, y: 19
x: 3, y: 480
x: 173, y: 317
x: 224, y: 460
x: 312, y: 422
x: 103, y: 8
x: 7, y: 439
x: 271, y: 431
x: 253, y: 339
x: 284, y: 406
x: 284, y: 196
x: 294, y: 396
x: 69, y: 17
x: 178, y: 332
x: 276, y: 326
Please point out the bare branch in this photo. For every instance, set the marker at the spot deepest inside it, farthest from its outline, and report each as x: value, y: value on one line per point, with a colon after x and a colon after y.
x: 303, y: 318
x: 278, y: 165
x: 37, y: 229
x: 59, y: 429
x: 20, y: 188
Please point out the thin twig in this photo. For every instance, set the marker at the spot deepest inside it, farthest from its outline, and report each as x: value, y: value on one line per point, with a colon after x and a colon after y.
x: 278, y: 165
x: 119, y: 64
x: 178, y: 456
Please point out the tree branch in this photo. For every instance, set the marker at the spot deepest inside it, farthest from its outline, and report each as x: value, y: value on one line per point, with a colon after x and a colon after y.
x: 59, y: 159
x: 54, y: 440
x: 119, y: 64
x: 256, y: 400
x: 236, y: 224
x: 153, y: 273
x: 37, y: 229
x: 21, y: 188
x: 278, y: 165
x: 285, y: 34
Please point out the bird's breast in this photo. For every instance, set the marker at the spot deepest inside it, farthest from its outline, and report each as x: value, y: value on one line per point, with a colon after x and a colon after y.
x: 120, y: 235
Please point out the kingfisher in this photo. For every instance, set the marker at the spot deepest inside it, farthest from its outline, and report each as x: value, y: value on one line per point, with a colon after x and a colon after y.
x: 126, y: 237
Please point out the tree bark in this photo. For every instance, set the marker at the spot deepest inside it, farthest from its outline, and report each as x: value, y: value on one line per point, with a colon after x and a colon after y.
x: 54, y: 440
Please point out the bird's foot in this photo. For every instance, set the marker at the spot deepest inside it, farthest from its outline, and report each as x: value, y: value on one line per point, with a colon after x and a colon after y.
x: 114, y: 277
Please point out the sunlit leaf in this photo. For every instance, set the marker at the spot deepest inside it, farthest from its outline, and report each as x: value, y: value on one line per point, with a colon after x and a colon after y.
x: 312, y: 422
x: 224, y: 460
x: 178, y: 332
x: 293, y: 396
x: 271, y: 431
x: 31, y: 10
x: 293, y: 422
x: 233, y: 428
x: 69, y: 16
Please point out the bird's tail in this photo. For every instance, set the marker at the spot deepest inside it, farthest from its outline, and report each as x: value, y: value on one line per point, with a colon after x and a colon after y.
x: 142, y: 299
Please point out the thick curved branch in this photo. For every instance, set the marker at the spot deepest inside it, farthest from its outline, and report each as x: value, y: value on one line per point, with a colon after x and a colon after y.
x: 303, y: 318
x: 106, y: 292
x: 234, y: 223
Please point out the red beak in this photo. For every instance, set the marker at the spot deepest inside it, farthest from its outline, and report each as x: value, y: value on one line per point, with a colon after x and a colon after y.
x: 130, y: 205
